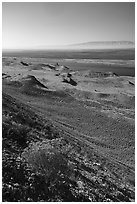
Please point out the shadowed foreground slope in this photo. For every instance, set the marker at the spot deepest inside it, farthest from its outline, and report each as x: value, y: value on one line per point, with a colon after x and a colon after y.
x: 41, y: 163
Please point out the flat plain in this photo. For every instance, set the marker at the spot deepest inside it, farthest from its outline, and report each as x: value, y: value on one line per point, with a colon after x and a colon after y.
x: 69, y: 126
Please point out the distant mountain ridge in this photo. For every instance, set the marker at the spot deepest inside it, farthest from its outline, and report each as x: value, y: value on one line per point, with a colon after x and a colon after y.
x: 103, y: 45
x: 80, y: 46
x: 105, y: 42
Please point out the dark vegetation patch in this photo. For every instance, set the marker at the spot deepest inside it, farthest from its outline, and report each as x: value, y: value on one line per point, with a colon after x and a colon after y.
x: 35, y: 167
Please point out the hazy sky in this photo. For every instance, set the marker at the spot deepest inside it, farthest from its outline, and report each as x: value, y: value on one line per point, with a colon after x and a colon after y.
x: 28, y: 25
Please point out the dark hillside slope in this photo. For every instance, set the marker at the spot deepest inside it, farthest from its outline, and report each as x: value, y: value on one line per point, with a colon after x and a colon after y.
x: 41, y: 163
x: 30, y: 85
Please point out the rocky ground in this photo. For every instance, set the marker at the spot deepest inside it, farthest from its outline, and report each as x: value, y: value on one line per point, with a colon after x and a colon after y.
x: 67, y: 135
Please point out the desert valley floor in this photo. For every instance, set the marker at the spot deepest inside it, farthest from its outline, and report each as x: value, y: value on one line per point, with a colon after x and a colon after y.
x: 68, y: 135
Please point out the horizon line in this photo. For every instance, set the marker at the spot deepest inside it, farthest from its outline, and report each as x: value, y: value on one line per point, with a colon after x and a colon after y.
x: 67, y: 46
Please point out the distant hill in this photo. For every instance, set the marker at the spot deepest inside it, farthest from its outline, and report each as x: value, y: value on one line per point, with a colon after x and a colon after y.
x: 80, y: 46
x: 104, y: 45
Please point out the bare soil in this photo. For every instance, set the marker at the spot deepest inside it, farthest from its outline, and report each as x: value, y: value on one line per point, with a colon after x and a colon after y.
x: 90, y: 126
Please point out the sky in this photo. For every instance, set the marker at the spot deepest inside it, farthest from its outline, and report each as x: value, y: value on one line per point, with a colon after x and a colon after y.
x: 28, y: 25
